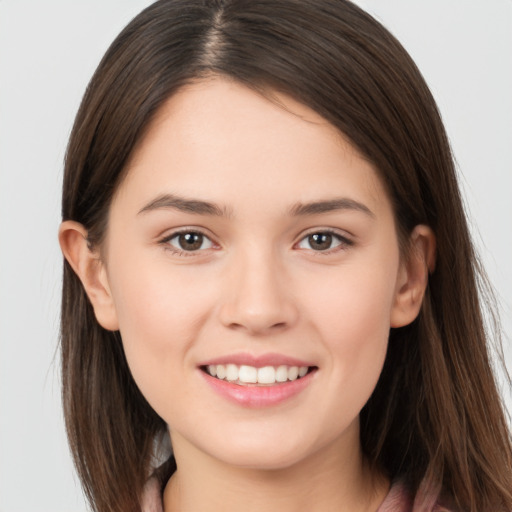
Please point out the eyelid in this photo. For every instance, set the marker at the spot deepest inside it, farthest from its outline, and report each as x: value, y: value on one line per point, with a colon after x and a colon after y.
x: 343, y: 237
x: 165, y: 239
x: 345, y: 240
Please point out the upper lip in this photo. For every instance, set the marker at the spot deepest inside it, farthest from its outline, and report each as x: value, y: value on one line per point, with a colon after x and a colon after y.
x: 258, y: 361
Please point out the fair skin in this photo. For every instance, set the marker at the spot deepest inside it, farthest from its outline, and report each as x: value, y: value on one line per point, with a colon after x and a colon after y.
x: 250, y: 233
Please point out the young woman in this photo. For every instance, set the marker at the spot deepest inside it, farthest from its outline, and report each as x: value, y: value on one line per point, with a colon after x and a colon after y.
x: 267, y: 260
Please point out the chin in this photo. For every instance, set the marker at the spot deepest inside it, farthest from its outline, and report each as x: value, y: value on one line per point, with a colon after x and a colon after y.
x: 264, y: 462
x: 264, y: 453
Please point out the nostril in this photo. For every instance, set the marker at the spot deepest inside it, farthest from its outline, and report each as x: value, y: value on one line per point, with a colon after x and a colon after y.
x: 254, y: 313
x: 255, y: 327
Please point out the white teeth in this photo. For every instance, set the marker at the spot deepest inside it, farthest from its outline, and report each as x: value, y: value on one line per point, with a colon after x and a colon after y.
x: 231, y: 372
x: 248, y: 374
x: 282, y: 373
x: 245, y: 374
x: 221, y: 371
x: 293, y: 372
x: 266, y: 375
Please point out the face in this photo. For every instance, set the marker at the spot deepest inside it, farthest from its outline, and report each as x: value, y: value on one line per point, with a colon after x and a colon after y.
x: 253, y: 265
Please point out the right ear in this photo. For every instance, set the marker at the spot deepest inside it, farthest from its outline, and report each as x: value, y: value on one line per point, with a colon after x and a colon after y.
x: 91, y: 271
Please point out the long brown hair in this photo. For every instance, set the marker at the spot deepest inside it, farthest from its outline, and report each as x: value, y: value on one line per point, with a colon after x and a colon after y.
x: 435, y: 418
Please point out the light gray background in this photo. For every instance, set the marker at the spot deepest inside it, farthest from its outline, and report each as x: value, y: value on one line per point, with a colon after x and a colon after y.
x: 48, y: 51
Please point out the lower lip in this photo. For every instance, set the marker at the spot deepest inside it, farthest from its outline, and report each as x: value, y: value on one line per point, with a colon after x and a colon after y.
x: 258, y: 396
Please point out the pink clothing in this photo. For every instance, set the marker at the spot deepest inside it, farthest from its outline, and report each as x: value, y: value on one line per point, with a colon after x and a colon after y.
x: 152, y: 497
x: 398, y: 500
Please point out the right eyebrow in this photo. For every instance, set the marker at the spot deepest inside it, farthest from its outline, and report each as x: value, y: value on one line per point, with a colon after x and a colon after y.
x: 187, y: 205
x: 330, y: 205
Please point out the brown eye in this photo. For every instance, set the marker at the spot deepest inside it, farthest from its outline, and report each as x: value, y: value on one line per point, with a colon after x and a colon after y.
x: 190, y: 241
x: 323, y: 241
x: 320, y: 241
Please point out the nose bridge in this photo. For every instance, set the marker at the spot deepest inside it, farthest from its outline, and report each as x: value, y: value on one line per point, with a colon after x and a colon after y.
x: 257, y: 298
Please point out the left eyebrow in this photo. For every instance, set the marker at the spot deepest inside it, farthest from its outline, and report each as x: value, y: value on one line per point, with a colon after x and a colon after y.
x: 195, y: 206
x: 330, y: 205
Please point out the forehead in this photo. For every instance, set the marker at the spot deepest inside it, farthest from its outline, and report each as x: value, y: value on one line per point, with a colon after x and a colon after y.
x: 216, y: 137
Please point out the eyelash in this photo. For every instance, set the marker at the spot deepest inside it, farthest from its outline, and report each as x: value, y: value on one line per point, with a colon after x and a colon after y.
x: 343, y: 244
x: 165, y: 242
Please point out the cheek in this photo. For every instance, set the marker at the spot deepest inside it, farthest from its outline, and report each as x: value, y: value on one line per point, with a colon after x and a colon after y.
x: 356, y: 301
x: 352, y: 314
x: 160, y: 314
x: 155, y: 299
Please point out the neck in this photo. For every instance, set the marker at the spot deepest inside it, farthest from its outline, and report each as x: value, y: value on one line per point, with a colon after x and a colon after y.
x: 333, y: 479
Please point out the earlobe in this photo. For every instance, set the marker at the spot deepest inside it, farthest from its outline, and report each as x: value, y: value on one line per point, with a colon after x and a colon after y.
x: 90, y: 269
x: 413, y: 276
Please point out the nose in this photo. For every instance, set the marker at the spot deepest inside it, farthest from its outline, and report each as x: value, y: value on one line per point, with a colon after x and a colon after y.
x: 258, y: 296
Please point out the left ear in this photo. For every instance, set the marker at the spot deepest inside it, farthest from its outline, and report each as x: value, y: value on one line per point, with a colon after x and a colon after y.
x: 412, y: 277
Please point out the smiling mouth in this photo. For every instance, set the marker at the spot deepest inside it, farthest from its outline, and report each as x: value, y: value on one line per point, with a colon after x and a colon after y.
x: 245, y: 375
